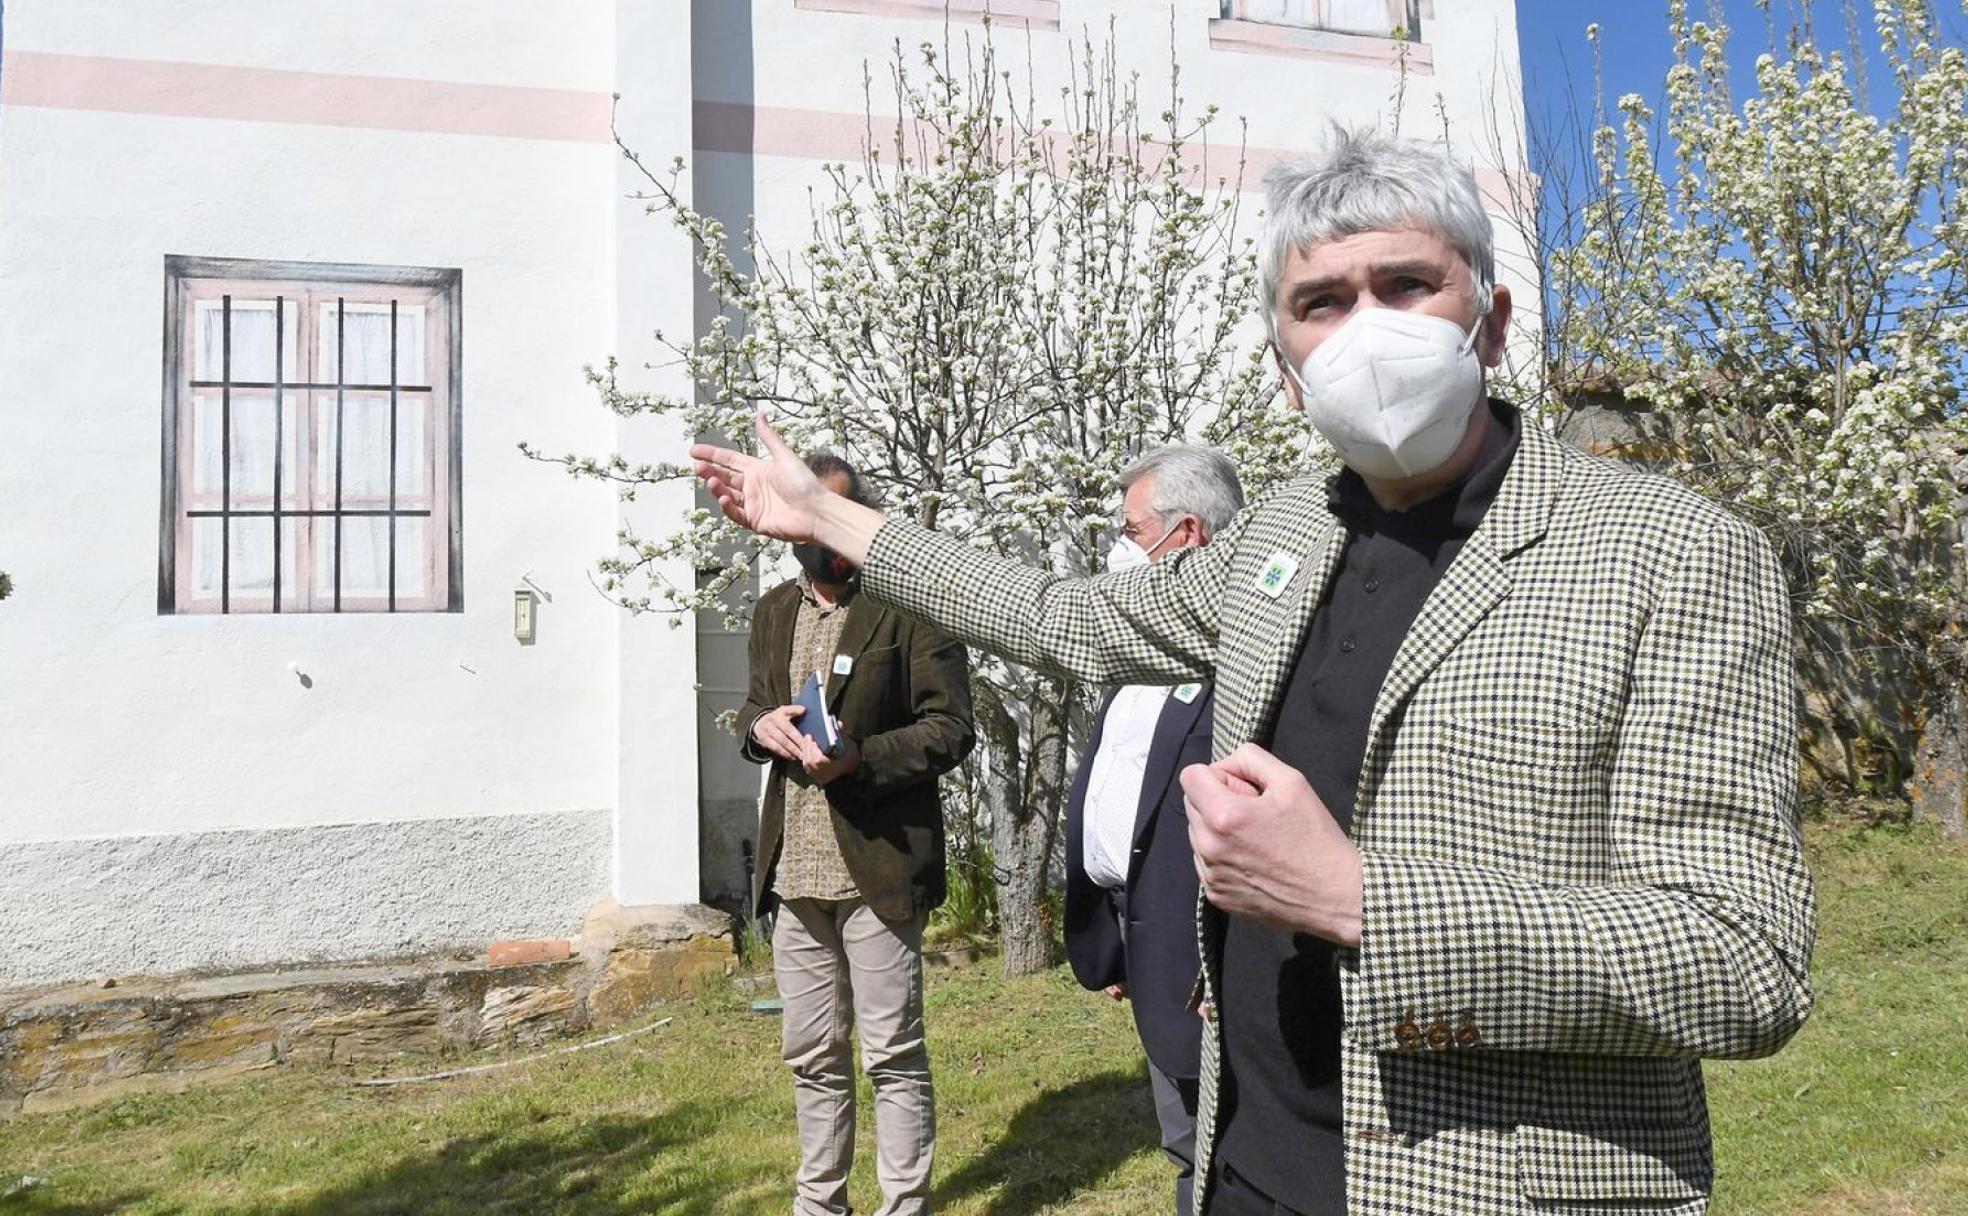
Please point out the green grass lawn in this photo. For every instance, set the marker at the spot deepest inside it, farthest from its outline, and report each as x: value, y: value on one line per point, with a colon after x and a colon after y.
x: 1043, y: 1105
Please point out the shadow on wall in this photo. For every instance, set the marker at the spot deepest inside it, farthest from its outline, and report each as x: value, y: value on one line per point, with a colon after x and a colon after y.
x: 1060, y: 1143
x: 723, y: 186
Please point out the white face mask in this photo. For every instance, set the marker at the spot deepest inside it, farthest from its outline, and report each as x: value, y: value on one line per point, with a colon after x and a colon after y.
x: 1126, y: 555
x: 1392, y: 391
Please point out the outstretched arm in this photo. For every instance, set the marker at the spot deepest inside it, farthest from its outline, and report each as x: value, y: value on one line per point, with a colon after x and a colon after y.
x: 1148, y: 626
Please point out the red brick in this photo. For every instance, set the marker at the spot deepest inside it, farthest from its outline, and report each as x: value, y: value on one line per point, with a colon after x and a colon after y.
x: 514, y: 954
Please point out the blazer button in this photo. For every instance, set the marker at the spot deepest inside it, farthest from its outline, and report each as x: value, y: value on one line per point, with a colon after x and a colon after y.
x: 1467, y: 1035
x: 1407, y: 1035
x: 1440, y: 1036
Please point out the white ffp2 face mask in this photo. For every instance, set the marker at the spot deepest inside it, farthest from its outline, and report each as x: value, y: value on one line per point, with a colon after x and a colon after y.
x: 1127, y: 555
x: 1392, y: 391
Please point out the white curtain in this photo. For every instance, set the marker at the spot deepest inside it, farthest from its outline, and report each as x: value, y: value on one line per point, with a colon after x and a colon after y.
x: 365, y: 558
x: 205, y: 558
x: 1281, y: 12
x: 1376, y: 17
x: 368, y: 333
x: 411, y: 555
x: 252, y: 450
x: 252, y: 339
x: 365, y: 458
x: 252, y: 558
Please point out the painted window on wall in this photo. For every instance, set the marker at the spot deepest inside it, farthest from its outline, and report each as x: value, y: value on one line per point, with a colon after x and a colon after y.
x: 1376, y: 18
x: 311, y: 438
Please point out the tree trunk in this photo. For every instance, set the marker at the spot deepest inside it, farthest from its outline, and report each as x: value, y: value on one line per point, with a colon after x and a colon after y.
x: 1940, y: 764
x: 1038, y: 831
x: 1022, y: 787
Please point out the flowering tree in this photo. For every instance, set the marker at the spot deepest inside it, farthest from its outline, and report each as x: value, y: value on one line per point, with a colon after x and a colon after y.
x: 993, y: 312
x: 1781, y: 286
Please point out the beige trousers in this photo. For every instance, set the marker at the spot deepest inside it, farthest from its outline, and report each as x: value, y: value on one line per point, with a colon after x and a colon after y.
x: 840, y: 966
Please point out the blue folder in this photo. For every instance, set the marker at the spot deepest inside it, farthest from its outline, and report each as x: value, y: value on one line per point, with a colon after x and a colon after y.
x: 816, y: 723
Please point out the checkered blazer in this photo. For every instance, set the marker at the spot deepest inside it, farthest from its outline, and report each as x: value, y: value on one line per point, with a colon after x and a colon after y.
x: 1576, y: 816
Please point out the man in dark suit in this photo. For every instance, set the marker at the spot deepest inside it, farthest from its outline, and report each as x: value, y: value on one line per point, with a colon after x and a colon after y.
x: 851, y: 846
x: 1130, y: 878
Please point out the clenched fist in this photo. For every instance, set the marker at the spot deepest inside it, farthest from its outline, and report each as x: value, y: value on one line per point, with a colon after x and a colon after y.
x: 1268, y: 849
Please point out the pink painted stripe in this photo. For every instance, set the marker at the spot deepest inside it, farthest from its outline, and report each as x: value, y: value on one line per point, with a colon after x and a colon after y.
x: 722, y: 126
x: 1013, y: 14
x: 204, y: 90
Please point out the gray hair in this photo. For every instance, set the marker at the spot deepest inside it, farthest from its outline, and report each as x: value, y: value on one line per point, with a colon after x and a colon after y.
x: 1368, y: 182
x: 1189, y: 480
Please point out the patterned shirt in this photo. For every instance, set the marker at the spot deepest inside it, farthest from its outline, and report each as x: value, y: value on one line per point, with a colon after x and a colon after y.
x: 810, y: 863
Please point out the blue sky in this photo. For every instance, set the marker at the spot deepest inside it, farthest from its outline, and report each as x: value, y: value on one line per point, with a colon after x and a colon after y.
x: 1637, y: 51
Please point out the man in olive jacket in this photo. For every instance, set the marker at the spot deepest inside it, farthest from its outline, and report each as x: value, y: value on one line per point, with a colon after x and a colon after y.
x: 851, y: 853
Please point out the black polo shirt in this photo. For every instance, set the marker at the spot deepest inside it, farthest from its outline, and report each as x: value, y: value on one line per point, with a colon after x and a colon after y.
x: 1279, y: 1098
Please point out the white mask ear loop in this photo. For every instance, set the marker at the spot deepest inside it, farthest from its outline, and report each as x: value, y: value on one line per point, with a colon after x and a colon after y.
x: 1271, y: 325
x: 1482, y: 315
x: 1166, y: 533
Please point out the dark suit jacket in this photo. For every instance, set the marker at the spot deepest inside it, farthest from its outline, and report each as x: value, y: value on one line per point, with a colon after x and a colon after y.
x: 1159, y: 962
x: 907, y: 703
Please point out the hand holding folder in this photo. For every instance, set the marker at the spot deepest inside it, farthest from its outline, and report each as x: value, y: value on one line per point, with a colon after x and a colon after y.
x: 816, y: 723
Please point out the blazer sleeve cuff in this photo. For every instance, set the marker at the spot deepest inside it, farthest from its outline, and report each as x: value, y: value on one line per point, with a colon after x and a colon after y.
x: 1457, y: 958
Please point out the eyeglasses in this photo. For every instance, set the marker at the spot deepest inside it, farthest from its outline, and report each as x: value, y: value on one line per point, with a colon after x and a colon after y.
x: 1133, y: 532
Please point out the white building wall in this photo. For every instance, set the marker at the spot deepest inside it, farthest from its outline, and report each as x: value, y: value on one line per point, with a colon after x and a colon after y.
x: 656, y: 821
x: 438, y: 783
x: 1463, y: 81
x: 172, y: 793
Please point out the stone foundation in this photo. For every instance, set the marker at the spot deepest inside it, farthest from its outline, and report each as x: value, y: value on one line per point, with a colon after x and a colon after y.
x: 80, y: 1044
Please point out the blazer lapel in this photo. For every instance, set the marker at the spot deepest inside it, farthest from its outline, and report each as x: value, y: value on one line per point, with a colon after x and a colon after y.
x: 863, y: 615
x: 1170, y: 730
x: 1286, y: 626
x: 1476, y: 582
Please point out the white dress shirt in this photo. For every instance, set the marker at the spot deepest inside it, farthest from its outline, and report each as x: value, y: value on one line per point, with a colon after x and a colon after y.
x: 1114, y: 786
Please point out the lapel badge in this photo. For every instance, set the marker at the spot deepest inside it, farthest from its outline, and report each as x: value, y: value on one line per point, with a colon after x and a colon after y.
x: 843, y: 664
x: 1276, y: 574
x: 1186, y: 693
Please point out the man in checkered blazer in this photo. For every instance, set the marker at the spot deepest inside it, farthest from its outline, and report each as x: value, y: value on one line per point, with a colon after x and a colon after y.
x: 1499, y: 840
